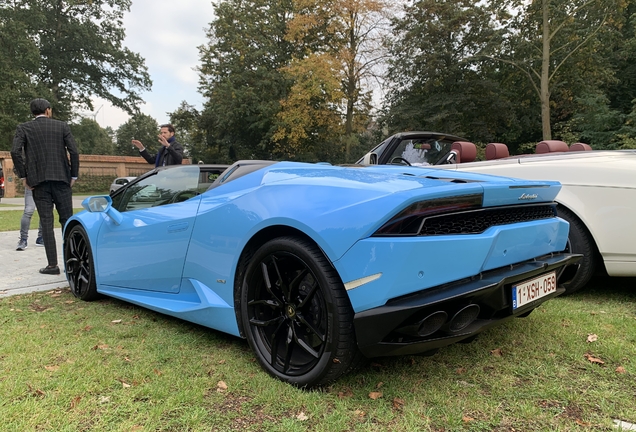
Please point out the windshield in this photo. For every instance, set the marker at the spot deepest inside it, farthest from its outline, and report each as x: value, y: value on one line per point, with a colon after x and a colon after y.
x: 420, y: 151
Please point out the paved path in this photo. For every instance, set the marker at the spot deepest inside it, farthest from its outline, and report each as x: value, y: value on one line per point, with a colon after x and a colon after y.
x: 19, y: 270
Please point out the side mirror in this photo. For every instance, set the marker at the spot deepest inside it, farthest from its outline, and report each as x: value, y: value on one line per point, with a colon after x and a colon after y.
x: 102, y: 204
x: 370, y: 159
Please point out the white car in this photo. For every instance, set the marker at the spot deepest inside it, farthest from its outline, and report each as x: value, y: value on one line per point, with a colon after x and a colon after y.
x: 119, y: 182
x: 598, y: 197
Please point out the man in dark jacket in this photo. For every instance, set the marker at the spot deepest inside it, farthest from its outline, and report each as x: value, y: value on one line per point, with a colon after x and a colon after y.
x: 46, y: 169
x: 171, y: 152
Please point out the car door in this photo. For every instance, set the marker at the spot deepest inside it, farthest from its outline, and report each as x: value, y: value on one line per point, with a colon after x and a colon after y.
x: 147, y: 250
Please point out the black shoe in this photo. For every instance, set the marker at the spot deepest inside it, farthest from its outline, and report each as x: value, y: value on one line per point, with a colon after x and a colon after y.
x: 52, y: 270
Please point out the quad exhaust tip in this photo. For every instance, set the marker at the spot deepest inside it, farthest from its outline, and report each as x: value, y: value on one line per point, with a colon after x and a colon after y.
x: 427, y: 326
x: 463, y: 318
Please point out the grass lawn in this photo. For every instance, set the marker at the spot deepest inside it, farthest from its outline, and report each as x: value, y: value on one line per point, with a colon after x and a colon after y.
x: 68, y: 365
x: 10, y: 219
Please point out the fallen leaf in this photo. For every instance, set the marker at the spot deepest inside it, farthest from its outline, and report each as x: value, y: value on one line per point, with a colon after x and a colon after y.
x: 496, y: 352
x: 87, y: 328
x: 302, y: 416
x: 398, y: 404
x: 116, y: 321
x: 76, y: 400
x: 69, y: 301
x: 100, y: 347
x: 221, y: 387
x: 52, y: 368
x: 592, y: 337
x: 345, y: 394
x: 378, y: 385
x: 375, y: 395
x: 124, y: 384
x: 127, y: 359
x: 359, y: 413
x: 581, y: 422
x: 104, y: 399
x: 620, y: 370
x: 137, y: 428
x: 157, y: 372
x: 221, y: 361
x: 460, y: 370
x: 467, y: 419
x: 593, y: 359
x: 336, y: 360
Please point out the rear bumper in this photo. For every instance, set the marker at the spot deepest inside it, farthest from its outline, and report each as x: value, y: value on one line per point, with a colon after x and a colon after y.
x: 383, y: 331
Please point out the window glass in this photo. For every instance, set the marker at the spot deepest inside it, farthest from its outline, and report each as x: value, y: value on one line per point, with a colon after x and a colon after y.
x: 420, y: 151
x: 167, y: 186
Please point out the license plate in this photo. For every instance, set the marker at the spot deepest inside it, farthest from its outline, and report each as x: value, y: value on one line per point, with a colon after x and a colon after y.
x: 533, y: 289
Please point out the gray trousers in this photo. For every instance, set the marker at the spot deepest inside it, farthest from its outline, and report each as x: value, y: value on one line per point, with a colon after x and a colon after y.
x: 25, y: 222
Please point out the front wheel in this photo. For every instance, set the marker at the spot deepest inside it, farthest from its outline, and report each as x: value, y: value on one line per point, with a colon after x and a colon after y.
x: 296, y: 314
x: 78, y: 258
x: 579, y: 242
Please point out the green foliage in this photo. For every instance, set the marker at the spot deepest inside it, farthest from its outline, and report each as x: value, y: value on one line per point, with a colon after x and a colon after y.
x: 74, y: 49
x: 18, y: 56
x: 241, y: 79
x: 436, y: 82
x: 141, y: 127
x: 91, y: 138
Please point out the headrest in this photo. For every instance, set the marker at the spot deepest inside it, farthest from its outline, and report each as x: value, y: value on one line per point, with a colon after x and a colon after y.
x: 551, y: 146
x: 466, y: 151
x: 580, y: 147
x: 496, y: 151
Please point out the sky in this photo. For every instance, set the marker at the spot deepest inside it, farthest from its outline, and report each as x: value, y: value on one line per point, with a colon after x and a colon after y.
x: 166, y: 34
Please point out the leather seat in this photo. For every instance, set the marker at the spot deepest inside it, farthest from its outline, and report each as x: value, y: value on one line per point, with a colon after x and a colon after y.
x: 580, y: 147
x: 496, y: 151
x: 551, y: 146
x: 466, y: 151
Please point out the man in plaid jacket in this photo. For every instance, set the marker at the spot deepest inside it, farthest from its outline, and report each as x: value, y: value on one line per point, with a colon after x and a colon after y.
x: 49, y: 168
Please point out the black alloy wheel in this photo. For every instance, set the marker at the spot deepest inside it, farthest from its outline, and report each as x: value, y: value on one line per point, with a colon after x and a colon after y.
x: 296, y: 314
x: 579, y: 242
x: 78, y: 258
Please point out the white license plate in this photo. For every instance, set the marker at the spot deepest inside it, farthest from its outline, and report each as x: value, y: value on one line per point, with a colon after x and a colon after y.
x: 533, y: 289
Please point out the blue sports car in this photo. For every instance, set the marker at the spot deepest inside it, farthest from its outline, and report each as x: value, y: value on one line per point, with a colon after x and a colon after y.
x: 320, y: 266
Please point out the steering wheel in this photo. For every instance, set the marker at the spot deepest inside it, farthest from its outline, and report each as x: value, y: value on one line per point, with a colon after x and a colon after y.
x: 183, y: 196
x: 402, y: 161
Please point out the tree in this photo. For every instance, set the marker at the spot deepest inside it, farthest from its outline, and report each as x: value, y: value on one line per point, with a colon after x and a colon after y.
x: 91, y: 138
x: 81, y: 52
x: 434, y: 78
x: 186, y: 119
x: 240, y: 75
x: 18, y: 56
x: 338, y: 49
x: 542, y: 38
x: 141, y: 127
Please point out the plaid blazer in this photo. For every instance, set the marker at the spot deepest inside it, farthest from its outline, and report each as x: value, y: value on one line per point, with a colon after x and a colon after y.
x: 44, y: 150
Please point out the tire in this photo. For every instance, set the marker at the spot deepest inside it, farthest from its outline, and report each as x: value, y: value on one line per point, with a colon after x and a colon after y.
x: 296, y: 314
x: 80, y: 270
x: 580, y: 242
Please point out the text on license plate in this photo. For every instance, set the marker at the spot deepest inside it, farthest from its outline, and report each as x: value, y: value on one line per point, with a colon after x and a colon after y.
x: 533, y: 289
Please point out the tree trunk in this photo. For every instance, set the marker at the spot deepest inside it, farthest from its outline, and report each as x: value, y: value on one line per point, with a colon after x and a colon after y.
x: 545, y: 75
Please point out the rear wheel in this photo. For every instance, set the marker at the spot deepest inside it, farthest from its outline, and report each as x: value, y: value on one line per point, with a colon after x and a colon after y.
x: 78, y: 258
x: 579, y: 242
x: 296, y: 314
